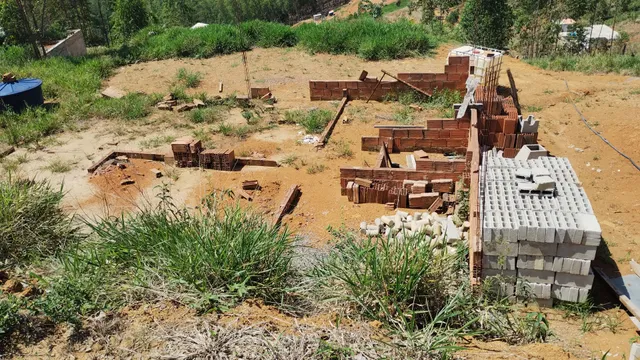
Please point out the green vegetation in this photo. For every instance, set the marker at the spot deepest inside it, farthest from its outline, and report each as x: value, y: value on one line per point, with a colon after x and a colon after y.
x: 9, y: 316
x: 487, y: 22
x: 316, y: 169
x: 32, y: 222
x: 601, y: 63
x: 58, y: 166
x: 206, y: 115
x: 375, y: 40
x: 417, y: 288
x: 188, y: 78
x: 156, y: 141
x: 313, y: 121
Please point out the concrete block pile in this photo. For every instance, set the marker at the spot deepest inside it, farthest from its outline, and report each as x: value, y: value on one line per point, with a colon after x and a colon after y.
x: 540, y: 244
x: 437, y: 229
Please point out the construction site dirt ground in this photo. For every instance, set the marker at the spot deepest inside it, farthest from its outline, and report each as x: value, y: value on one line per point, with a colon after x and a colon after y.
x: 610, y: 102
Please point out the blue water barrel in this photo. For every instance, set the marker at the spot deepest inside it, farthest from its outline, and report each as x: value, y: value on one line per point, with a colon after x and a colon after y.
x: 20, y: 94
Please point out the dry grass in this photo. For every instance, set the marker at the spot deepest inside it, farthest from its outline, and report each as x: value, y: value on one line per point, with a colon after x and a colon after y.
x: 202, y: 339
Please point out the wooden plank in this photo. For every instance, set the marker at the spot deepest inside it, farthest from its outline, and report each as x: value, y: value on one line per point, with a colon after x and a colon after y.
x: 633, y: 309
x: 286, y: 203
x: 436, y: 204
x: 99, y: 163
x: 409, y: 85
x: 375, y: 88
x: 635, y: 267
x: 243, y: 194
x: 514, y: 91
x: 327, y: 131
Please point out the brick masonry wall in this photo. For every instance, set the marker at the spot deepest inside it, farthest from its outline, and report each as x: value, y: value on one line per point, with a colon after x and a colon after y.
x: 440, y: 135
x: 454, y: 78
x: 501, y: 129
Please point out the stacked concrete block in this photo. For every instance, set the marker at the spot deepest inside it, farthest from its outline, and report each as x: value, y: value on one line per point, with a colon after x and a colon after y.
x: 551, y: 240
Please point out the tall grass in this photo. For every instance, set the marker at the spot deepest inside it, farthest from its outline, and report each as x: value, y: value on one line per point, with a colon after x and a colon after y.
x: 600, y: 63
x: 217, y: 256
x: 388, y: 280
x: 368, y: 38
x: 421, y: 291
x: 32, y: 222
x: 313, y: 121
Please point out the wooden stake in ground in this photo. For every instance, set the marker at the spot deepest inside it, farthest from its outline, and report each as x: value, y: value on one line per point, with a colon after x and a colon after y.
x: 327, y: 130
x: 286, y: 203
x: 246, y: 73
x: 409, y: 85
x: 514, y: 91
x: 375, y: 87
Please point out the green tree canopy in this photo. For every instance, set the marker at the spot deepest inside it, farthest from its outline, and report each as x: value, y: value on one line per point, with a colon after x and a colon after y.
x: 129, y: 16
x: 487, y: 22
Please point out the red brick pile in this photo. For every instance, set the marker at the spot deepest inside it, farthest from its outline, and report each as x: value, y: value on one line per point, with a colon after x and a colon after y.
x: 186, y: 151
x: 217, y: 159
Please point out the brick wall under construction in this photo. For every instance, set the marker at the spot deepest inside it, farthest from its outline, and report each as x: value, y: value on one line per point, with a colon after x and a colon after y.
x: 440, y: 136
x: 454, y: 78
x: 498, y: 127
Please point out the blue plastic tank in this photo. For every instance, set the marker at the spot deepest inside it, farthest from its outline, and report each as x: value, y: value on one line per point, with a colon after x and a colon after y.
x: 20, y: 94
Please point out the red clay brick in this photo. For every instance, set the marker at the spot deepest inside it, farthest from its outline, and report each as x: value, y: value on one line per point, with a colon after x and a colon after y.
x: 400, y: 133
x: 434, y: 124
x: 415, y: 133
x: 431, y: 133
x: 454, y: 143
x: 423, y: 143
x: 439, y: 142
x: 441, y: 77
x: 458, y: 134
x: 449, y: 124
x: 385, y: 132
x: 445, y: 134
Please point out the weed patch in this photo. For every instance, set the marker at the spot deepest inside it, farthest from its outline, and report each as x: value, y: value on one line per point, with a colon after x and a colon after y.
x: 600, y: 63
x: 313, y: 121
x: 58, y: 166
x: 32, y: 222
x: 188, y: 78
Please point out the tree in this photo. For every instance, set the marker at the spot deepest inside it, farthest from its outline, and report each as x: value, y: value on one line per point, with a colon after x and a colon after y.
x: 487, y: 22
x: 129, y: 16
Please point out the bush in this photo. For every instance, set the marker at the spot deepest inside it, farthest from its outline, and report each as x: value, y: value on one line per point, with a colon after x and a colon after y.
x: 601, y: 63
x: 314, y: 121
x: 267, y: 34
x: 368, y: 38
x: 9, y: 316
x: 32, y: 222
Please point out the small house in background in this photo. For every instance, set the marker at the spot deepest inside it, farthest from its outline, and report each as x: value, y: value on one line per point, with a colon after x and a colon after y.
x: 603, y: 32
x: 566, y: 23
x: 72, y: 45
